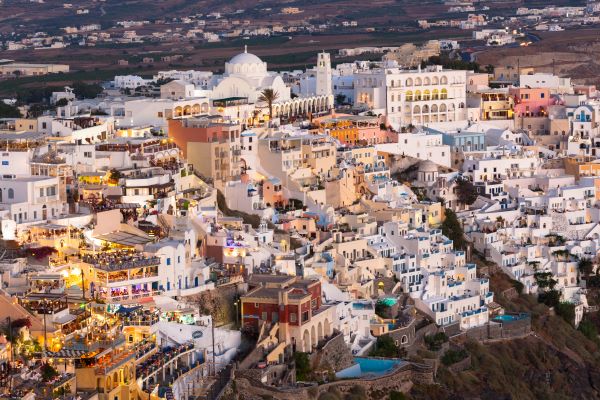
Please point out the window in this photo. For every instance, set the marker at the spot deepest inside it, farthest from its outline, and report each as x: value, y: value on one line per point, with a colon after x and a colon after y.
x: 264, y: 316
x: 41, y: 192
x: 292, y: 317
x: 4, y: 162
x: 169, y: 261
x: 160, y: 114
x: 305, y: 316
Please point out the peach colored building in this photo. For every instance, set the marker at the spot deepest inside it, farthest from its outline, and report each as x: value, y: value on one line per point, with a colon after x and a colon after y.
x: 273, y: 193
x: 212, y: 147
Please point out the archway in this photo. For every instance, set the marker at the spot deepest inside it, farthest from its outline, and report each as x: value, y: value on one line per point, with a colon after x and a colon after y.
x: 313, y: 335
x: 320, y: 331
x: 306, y: 341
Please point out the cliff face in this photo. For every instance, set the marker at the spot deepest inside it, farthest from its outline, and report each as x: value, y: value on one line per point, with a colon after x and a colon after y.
x: 555, y: 362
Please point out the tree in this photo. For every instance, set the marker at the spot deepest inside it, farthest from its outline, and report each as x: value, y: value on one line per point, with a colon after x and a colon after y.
x: 86, y: 91
x: 114, y: 176
x: 453, y: 230
x: 48, y: 372
x: 465, y: 191
x: 585, y: 266
x: 434, y: 342
x: 62, y: 103
x: 8, y: 111
x: 385, y: 347
x: 567, y: 311
x: 303, y: 370
x: 544, y: 280
x: 269, y: 96
x: 340, y: 98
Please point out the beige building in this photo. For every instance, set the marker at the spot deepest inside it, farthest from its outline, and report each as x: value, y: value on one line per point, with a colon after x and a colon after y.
x: 32, y: 69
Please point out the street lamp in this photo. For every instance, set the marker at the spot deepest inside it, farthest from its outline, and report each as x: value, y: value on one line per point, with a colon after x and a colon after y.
x: 237, y: 314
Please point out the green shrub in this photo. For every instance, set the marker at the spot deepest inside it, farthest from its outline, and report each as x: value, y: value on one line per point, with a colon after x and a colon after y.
x: 566, y: 311
x: 434, y: 342
x: 385, y: 347
x: 397, y: 395
x: 454, y: 356
x: 589, y: 330
x: 303, y: 370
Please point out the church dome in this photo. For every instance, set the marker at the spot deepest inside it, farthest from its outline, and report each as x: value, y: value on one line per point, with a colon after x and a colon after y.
x: 247, y: 65
x: 245, y: 58
x: 428, y: 166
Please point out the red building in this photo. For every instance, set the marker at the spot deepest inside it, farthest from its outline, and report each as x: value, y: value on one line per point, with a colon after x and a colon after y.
x: 292, y: 302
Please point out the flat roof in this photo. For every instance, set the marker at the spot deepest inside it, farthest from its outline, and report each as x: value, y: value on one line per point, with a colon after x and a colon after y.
x: 21, y: 136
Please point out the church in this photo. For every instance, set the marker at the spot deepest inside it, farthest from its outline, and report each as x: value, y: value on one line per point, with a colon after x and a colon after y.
x: 235, y: 94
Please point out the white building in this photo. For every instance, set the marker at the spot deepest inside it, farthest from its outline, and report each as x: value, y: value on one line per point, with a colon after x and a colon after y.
x: 413, y: 97
x: 130, y: 81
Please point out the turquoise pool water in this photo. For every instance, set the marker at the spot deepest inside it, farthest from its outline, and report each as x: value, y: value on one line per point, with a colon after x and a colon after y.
x: 388, y: 301
x: 368, y: 366
x: 375, y: 365
x: 507, y: 318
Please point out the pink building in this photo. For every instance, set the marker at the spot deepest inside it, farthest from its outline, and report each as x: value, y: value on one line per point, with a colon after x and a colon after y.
x: 531, y: 102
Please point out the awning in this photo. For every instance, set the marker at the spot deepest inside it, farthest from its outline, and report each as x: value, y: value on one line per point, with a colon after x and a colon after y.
x: 125, y: 235
x: 67, y: 353
x: 65, y: 319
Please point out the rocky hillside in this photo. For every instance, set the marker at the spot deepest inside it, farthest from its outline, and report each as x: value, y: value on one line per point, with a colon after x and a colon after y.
x: 555, y: 362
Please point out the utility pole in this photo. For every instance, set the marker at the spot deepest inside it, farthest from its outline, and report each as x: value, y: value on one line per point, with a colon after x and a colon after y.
x: 212, y: 324
x: 45, y: 337
x: 82, y: 285
x: 8, y: 373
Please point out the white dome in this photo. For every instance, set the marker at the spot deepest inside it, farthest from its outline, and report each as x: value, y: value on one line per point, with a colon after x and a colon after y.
x: 245, y: 58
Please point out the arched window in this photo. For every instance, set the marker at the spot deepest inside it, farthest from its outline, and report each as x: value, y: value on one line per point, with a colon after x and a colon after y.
x: 409, y: 82
x: 11, y: 193
x: 435, y: 94
x: 444, y: 94
x: 409, y: 95
x: 426, y: 95
x: 444, y: 80
x: 418, y: 95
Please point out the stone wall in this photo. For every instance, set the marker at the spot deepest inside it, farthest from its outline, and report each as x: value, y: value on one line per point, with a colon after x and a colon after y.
x: 404, y: 336
x: 334, y: 355
x: 401, y: 379
x: 497, y: 331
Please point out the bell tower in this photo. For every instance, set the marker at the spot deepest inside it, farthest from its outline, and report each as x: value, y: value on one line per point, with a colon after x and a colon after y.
x: 324, y: 87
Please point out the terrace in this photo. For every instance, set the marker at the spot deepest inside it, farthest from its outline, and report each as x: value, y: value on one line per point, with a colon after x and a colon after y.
x: 119, y: 260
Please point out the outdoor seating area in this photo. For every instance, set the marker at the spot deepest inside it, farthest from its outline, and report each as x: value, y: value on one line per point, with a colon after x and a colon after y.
x: 119, y: 260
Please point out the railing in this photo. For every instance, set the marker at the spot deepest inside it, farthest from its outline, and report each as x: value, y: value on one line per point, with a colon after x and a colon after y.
x: 94, y: 345
x: 118, y: 265
x: 104, y: 369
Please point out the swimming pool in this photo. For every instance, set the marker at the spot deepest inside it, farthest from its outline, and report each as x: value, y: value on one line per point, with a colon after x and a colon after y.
x: 369, y: 366
x: 508, y: 317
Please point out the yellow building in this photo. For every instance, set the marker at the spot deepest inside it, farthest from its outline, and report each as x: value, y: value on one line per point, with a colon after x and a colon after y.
x: 582, y: 166
x: 496, y: 104
x: 433, y: 212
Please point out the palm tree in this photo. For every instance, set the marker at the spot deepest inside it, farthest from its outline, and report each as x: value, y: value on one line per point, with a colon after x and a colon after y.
x: 269, y: 96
